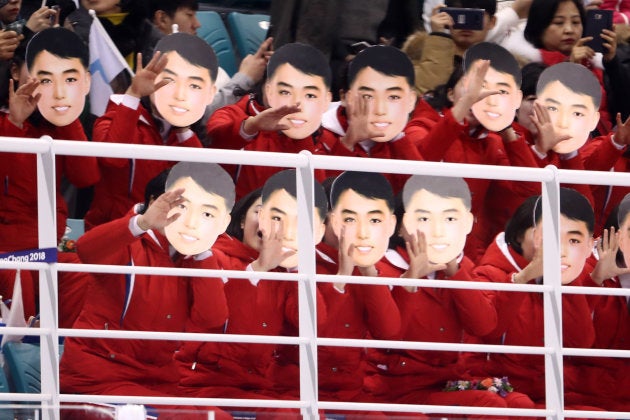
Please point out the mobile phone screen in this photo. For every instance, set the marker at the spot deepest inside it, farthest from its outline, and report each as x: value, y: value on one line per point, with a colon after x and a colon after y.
x: 464, y: 18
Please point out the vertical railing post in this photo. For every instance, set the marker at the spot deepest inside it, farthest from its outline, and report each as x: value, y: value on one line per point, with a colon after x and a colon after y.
x: 307, y: 289
x: 552, y: 301
x: 47, y: 231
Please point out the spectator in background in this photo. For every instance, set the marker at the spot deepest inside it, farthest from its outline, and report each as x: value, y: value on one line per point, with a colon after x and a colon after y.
x: 334, y: 26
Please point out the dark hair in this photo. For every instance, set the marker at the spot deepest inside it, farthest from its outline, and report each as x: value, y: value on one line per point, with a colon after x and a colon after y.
x: 438, y: 98
x: 501, y: 59
x: 192, y: 49
x: 209, y: 176
x: 170, y: 6
x: 490, y: 6
x: 239, y: 211
x: 530, y: 73
x: 60, y: 42
x: 155, y: 188
x: 443, y: 186
x: 574, y: 206
x: 622, y: 210
x: 371, y: 185
x: 285, y: 180
x: 539, y: 21
x: 574, y: 77
x: 526, y: 216
x: 306, y: 58
x: 384, y: 59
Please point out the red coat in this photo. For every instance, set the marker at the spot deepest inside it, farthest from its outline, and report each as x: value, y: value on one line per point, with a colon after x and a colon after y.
x: 224, y: 126
x: 433, y: 315
x: 251, y: 177
x: 336, y: 123
x: 124, y: 180
x: 122, y: 302
x: 612, y: 331
x: 235, y: 254
x: 520, y: 322
x: 73, y: 288
x: 449, y: 141
x: 18, y: 171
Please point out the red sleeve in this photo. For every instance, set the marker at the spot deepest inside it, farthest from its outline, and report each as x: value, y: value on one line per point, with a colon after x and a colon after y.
x: 600, y: 154
x: 7, y: 128
x: 82, y: 171
x: 119, y: 124
x: 208, y: 309
x: 577, y: 163
x: 475, y: 307
x: 292, y: 307
x: 107, y: 243
x: 383, y: 316
x: 224, y: 126
x: 439, y: 138
x: 577, y: 323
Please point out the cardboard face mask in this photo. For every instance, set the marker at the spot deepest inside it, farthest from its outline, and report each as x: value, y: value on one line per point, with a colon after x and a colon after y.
x: 362, y: 220
x: 58, y: 59
x: 496, y: 112
x: 205, y: 213
x: 438, y: 207
x: 190, y: 72
x: 571, y: 94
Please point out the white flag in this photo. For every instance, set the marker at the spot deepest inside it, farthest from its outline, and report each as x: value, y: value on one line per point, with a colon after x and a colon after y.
x: 15, y: 317
x: 106, y: 62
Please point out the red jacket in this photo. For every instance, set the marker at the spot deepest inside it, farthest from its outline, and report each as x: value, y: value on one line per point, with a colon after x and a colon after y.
x: 520, y: 323
x: 18, y: 171
x: 251, y: 177
x: 124, y: 180
x: 224, y: 126
x: 126, y: 302
x: 433, y: 315
x: 336, y: 122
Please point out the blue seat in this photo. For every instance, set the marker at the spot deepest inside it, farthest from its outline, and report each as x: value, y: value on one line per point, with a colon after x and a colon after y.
x: 23, y: 361
x: 248, y: 30
x: 214, y: 32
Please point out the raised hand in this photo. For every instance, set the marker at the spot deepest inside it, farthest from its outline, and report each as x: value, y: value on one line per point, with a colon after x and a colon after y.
x: 254, y: 65
x: 622, y: 135
x: 9, y: 41
x: 473, y: 91
x: 581, y: 52
x: 440, y: 21
x: 534, y: 269
x: 546, y: 138
x: 419, y: 264
x: 359, y: 109
x: 22, y: 102
x: 270, y: 119
x: 41, y: 19
x: 271, y: 253
x: 611, y: 44
x: 606, y: 267
x: 156, y: 216
x: 143, y: 83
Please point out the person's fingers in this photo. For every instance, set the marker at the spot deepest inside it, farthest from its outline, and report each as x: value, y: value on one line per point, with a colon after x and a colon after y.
x: 264, y: 46
x: 580, y: 42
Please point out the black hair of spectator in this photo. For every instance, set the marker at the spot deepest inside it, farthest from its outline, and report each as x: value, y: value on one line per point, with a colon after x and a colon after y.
x: 438, y: 97
x: 384, y: 59
x: 155, y: 188
x: 501, y: 59
x: 523, y: 218
x: 574, y: 206
x: 305, y: 58
x: 192, y: 49
x: 372, y: 185
x: 285, y: 180
x: 209, y: 176
x: 239, y: 212
x: 170, y: 6
x: 397, y: 240
x: 530, y: 74
x: 442, y: 186
x: 542, y: 15
x: 574, y: 77
x: 490, y: 6
x: 60, y: 42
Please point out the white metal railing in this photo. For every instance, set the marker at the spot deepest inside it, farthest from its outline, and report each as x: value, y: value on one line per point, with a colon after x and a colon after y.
x: 46, y: 149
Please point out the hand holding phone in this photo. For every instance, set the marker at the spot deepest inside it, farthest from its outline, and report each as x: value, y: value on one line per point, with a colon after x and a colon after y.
x: 464, y: 18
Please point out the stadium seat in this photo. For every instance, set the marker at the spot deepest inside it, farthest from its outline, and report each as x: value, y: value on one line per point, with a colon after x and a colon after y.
x: 214, y: 32
x: 23, y: 361
x: 248, y: 30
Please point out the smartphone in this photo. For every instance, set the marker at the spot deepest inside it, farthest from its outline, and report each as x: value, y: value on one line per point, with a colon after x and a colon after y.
x: 16, y: 26
x: 596, y: 21
x: 54, y: 19
x: 464, y: 18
